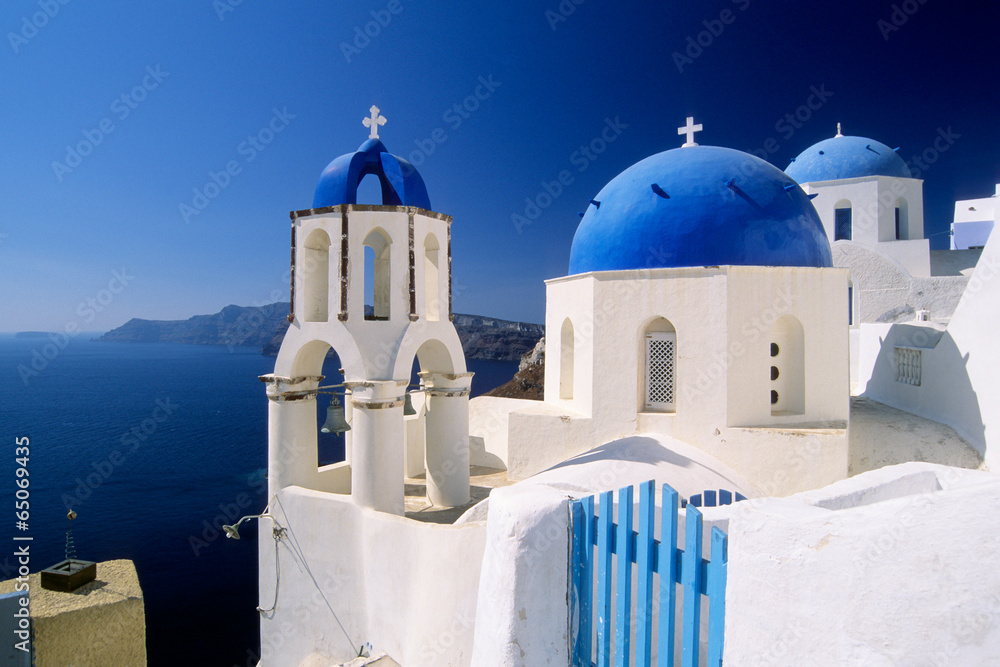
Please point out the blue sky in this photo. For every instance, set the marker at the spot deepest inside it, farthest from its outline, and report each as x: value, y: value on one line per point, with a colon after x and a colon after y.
x: 161, y: 96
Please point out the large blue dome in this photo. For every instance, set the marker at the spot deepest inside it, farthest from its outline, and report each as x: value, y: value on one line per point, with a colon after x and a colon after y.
x: 699, y: 206
x: 401, y: 184
x: 846, y: 157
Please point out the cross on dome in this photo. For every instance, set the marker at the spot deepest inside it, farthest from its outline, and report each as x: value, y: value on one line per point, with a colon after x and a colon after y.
x: 689, y: 129
x: 374, y: 122
x: 839, y: 133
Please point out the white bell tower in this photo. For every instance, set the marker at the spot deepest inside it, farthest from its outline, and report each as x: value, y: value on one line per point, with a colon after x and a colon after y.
x: 410, y: 317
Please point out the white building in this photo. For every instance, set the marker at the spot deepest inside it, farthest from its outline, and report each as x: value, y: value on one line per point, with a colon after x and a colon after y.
x: 974, y: 220
x: 701, y: 340
x: 873, y: 213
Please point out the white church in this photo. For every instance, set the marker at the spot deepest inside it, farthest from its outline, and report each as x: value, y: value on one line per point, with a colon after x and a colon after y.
x: 779, y: 336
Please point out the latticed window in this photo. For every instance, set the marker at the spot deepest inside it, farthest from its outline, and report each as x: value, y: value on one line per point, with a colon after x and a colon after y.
x: 661, y: 355
x: 908, y: 366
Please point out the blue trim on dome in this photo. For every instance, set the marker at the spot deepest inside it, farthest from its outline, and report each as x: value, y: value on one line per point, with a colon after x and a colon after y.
x: 401, y: 184
x: 846, y: 157
x: 725, y: 207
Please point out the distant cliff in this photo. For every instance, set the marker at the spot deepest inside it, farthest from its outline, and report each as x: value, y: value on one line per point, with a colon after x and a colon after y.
x: 265, y: 327
x: 233, y: 325
x: 529, y: 381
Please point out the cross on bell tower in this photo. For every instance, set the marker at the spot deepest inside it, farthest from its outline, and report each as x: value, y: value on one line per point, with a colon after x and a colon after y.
x: 689, y: 129
x: 374, y: 122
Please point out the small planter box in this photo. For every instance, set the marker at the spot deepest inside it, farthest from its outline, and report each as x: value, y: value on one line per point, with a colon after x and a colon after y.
x: 69, y: 575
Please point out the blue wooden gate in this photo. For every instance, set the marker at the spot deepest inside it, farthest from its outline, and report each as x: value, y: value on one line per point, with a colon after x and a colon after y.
x: 605, y: 550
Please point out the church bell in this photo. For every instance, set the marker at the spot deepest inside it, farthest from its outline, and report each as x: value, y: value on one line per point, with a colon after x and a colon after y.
x: 335, y: 420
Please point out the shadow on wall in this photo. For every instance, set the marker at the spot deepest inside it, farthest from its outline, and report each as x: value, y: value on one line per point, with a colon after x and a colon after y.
x: 913, y: 374
x: 649, y: 451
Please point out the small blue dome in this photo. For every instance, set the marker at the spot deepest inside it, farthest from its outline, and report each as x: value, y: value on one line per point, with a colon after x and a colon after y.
x: 401, y: 184
x: 846, y: 157
x: 699, y: 206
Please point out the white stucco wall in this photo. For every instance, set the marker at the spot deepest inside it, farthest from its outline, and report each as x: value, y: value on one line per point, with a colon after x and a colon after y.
x: 405, y: 587
x: 882, y: 569
x: 884, y: 291
x: 522, y: 616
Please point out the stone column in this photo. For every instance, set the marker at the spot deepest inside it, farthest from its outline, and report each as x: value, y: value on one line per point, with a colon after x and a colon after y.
x: 447, y: 419
x: 377, y: 433
x: 291, y: 431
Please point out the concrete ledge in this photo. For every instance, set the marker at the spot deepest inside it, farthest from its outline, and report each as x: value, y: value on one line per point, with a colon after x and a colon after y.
x: 100, y: 623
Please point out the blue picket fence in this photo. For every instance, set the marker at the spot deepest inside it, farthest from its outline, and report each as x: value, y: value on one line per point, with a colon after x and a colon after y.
x: 605, y: 550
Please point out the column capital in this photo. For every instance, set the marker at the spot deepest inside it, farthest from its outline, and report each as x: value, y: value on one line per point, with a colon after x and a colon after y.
x: 282, y: 389
x: 446, y: 384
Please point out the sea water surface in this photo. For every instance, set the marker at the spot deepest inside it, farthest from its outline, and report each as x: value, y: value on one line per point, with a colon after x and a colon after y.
x: 154, y: 446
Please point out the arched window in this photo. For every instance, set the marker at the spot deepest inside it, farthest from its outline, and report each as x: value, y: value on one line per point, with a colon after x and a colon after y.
x: 788, y: 386
x: 316, y: 277
x: 842, y: 220
x: 902, y: 222
x: 377, y: 247
x: 659, y: 366
x: 567, y: 358
x: 432, y: 278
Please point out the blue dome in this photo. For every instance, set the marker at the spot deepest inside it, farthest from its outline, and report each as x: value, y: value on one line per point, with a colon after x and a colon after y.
x: 846, y: 157
x: 401, y: 184
x: 699, y: 206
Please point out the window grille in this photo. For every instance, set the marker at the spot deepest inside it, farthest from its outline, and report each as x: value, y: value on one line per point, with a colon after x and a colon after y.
x: 908, y: 366
x: 661, y: 353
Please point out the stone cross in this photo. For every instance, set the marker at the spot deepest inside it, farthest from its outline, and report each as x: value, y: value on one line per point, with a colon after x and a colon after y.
x: 689, y: 129
x: 839, y: 133
x: 374, y: 122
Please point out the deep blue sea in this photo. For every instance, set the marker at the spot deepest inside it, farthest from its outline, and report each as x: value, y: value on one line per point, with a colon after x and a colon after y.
x: 153, y: 445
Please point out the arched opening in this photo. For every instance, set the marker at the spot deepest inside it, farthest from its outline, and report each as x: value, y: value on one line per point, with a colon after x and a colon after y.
x: 902, y: 219
x: 787, y: 372
x: 318, y: 358
x: 659, y: 366
x: 376, y: 273
x: 432, y: 278
x: 316, y: 277
x: 369, y: 190
x: 567, y: 359
x: 842, y: 220
x: 438, y: 433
